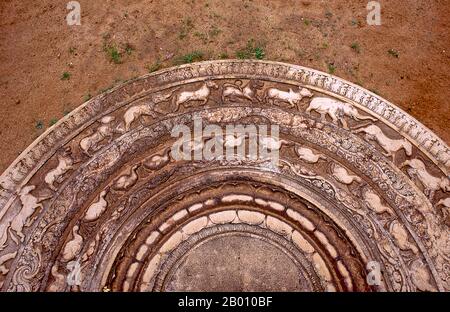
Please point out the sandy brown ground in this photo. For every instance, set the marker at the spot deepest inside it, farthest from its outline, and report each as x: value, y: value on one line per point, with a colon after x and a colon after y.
x: 37, y: 47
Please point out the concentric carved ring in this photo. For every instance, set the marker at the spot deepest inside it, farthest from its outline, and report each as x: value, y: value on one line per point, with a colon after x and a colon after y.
x: 357, y: 201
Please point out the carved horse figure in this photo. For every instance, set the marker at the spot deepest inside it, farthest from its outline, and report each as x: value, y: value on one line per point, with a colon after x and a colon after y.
x: 135, y: 112
x: 201, y: 94
x: 236, y: 90
x: 65, y: 163
x: 102, y: 132
x: 336, y: 110
x: 391, y: 146
x: 22, y: 219
x: 293, y: 98
x: 430, y: 183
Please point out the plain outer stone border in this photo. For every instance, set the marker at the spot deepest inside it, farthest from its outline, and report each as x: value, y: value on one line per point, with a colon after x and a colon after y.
x: 438, y: 151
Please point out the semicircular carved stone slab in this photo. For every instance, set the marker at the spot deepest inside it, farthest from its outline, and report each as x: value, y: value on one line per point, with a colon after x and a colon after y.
x: 358, y: 200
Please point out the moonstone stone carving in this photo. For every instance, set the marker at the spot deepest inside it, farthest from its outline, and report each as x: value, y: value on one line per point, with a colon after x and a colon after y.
x: 99, y: 202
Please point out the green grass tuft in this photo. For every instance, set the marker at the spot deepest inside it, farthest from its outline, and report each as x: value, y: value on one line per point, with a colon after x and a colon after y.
x: 355, y: 46
x: 192, y: 57
x: 65, y: 76
x: 87, y: 97
x: 113, y: 53
x: 251, y: 50
x: 331, y: 68
x: 154, y: 67
x: 39, y: 125
x: 53, y: 121
x: 186, y: 28
x: 259, y: 53
x: 129, y: 49
x: 223, y: 56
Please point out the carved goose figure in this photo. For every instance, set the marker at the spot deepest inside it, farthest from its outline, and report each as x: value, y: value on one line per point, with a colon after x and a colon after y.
x: 272, y: 143
x: 231, y: 140
x: 96, y: 209
x: 308, y: 155
x: 374, y: 203
x: 156, y: 162
x: 127, y: 180
x: 341, y: 174
x: 73, y: 247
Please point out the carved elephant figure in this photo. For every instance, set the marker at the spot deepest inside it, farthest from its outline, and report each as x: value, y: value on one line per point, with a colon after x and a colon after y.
x: 336, y: 110
x: 147, y: 109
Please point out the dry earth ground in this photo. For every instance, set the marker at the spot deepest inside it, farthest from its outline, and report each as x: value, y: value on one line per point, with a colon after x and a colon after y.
x: 48, y: 68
